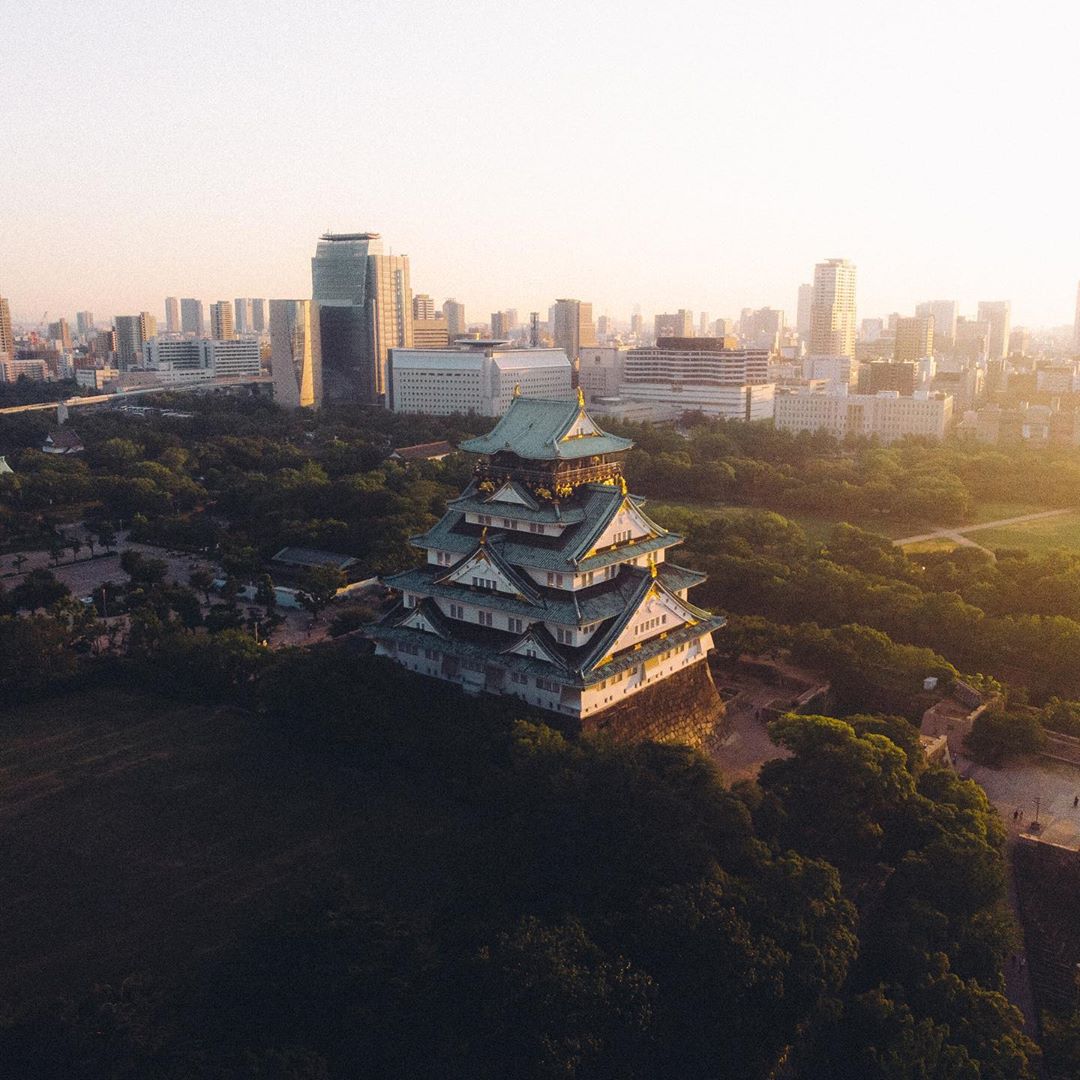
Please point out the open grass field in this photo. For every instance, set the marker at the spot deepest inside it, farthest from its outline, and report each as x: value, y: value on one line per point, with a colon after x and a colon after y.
x: 1038, y: 537
x: 136, y: 834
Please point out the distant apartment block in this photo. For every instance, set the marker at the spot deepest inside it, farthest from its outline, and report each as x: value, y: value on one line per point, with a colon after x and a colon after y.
x: 572, y: 326
x: 997, y: 314
x: 192, y: 318
x: 887, y: 415
x: 675, y: 324
x: 944, y: 313
x: 7, y: 335
x: 600, y: 371
x: 914, y: 339
x: 479, y: 377
x: 433, y: 333
x: 701, y: 374
x: 832, y: 313
x: 84, y: 323
x: 222, y: 324
x: 12, y: 370
x: 132, y: 331
x: 172, y: 315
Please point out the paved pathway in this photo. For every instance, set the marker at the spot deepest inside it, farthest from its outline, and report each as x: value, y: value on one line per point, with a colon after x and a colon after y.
x: 958, y: 536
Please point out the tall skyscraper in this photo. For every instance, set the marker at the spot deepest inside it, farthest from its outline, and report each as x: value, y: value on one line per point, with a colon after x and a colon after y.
x: 243, y: 316
x: 131, y: 332
x: 1076, y: 322
x: 7, y: 335
x: 259, y: 323
x: 703, y: 324
x: 172, y: 315
x: 914, y: 339
x: 454, y: 313
x: 996, y: 313
x: 802, y: 311
x: 60, y: 331
x: 192, y: 319
x: 572, y: 327
x: 945, y: 313
x: 365, y: 309
x: 423, y: 307
x: 295, y: 353
x: 84, y: 323
x: 222, y: 327
x: 832, y: 312
x: 503, y: 323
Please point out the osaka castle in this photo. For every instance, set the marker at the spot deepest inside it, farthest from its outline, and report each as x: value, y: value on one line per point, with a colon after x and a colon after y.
x: 545, y: 579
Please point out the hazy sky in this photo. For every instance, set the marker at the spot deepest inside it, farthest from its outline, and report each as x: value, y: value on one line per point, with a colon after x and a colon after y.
x: 699, y: 155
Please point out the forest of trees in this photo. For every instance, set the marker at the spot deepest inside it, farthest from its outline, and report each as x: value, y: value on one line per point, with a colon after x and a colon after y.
x: 568, y: 908
x: 586, y: 911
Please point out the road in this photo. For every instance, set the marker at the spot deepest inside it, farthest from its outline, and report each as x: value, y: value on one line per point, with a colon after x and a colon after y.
x: 959, y: 536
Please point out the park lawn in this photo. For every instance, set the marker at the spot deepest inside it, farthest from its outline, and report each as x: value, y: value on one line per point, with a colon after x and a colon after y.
x: 1038, y: 537
x: 998, y: 511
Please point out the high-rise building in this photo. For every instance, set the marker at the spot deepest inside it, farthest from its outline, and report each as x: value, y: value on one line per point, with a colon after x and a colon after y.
x: 503, y: 323
x: 973, y: 340
x: 945, y: 314
x: 914, y: 339
x: 172, y: 315
x: 572, y: 327
x: 423, y: 307
x: 803, y: 311
x: 703, y: 324
x: 637, y: 325
x: 243, y: 316
x: 996, y: 313
x: 1076, y: 322
x: 680, y: 324
x: 832, y: 312
x: 192, y: 319
x: 131, y: 332
x: 222, y: 327
x: 454, y: 313
x: 84, y: 323
x: 60, y: 331
x: 259, y: 322
x: 365, y: 309
x: 295, y: 353
x: 761, y: 329
x: 7, y: 335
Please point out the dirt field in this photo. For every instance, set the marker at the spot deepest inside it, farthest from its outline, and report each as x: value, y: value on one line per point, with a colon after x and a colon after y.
x: 136, y: 833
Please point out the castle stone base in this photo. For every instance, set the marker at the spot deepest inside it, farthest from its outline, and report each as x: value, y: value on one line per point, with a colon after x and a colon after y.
x: 684, y: 708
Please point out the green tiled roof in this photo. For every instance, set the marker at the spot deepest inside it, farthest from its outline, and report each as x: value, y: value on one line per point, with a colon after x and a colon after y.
x: 595, y: 604
x: 532, y: 428
x: 478, y: 644
x: 472, y: 501
x: 563, y: 554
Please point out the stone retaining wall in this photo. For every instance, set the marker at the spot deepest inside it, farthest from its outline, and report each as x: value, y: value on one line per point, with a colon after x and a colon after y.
x: 684, y: 708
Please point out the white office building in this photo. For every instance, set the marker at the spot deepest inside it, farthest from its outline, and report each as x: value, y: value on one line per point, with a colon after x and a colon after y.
x: 479, y: 377
x: 886, y: 415
x: 235, y: 359
x: 700, y: 374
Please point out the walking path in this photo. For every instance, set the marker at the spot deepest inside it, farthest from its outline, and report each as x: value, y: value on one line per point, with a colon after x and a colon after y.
x: 959, y: 536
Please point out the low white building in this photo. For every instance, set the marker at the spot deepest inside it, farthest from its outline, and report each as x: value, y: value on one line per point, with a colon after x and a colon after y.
x: 600, y: 371
x: 886, y: 415
x: 479, y: 377
x: 176, y: 360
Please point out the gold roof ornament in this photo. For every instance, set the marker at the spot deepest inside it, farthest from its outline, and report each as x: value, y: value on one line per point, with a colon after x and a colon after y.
x: 517, y: 389
x: 483, y: 535
x: 622, y: 485
x: 652, y: 569
x: 580, y: 398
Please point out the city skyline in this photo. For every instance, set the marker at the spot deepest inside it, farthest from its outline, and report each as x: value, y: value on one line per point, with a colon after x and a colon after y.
x: 744, y: 194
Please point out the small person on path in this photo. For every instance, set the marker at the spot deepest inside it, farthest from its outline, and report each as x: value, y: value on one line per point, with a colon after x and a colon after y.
x: 1076, y: 801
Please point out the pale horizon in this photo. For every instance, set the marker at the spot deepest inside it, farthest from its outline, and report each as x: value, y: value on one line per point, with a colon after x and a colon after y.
x: 703, y: 157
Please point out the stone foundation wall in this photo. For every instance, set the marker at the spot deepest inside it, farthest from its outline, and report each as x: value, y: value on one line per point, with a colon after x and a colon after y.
x: 684, y: 708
